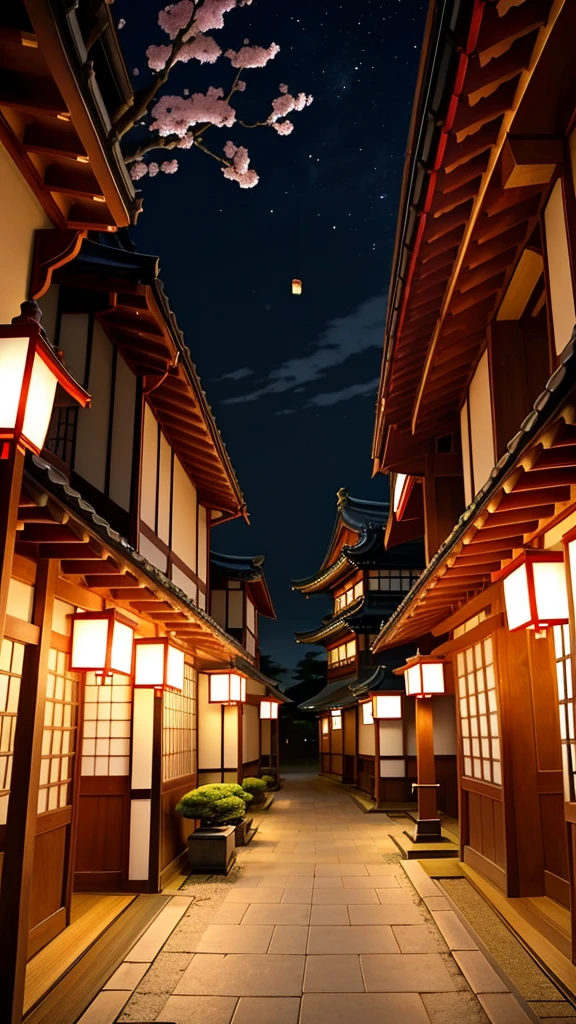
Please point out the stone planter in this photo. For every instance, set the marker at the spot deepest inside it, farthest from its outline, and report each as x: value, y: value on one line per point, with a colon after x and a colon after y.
x: 212, y: 850
x: 245, y: 832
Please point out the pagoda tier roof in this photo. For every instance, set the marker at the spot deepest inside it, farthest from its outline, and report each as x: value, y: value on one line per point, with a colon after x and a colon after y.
x: 254, y: 673
x: 248, y: 569
x: 350, y: 690
x: 124, y: 290
x: 365, y: 615
x: 358, y: 542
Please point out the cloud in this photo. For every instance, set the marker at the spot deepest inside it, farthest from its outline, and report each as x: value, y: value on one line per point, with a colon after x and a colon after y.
x: 353, y: 391
x: 245, y: 371
x: 343, y: 338
x: 285, y: 412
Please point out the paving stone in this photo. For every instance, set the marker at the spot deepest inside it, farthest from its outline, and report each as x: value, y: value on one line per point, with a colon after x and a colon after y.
x: 335, y: 881
x: 414, y: 972
x: 453, y: 1008
x: 198, y: 1010
x: 278, y: 913
x: 164, y: 974
x: 235, y: 938
x: 230, y: 913
x: 332, y: 914
x: 418, y: 938
x: 297, y: 895
x: 365, y: 1007
x: 142, y: 1007
x: 105, y: 1008
x: 503, y: 1008
x: 243, y: 975
x: 333, y: 973
x: 396, y: 896
x: 267, y: 1010
x: 478, y: 972
x: 400, y: 914
x: 341, y: 869
x: 289, y: 939
x: 454, y: 932
x: 155, y: 936
x: 355, y: 939
x: 127, y: 977
x: 435, y: 903
x: 371, y: 882
x: 256, y: 895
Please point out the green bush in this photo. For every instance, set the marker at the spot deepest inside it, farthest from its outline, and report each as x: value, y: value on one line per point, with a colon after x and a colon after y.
x: 269, y: 780
x: 218, y: 803
x: 256, y: 787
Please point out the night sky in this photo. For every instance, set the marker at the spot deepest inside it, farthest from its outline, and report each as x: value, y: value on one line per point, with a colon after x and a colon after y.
x: 292, y: 381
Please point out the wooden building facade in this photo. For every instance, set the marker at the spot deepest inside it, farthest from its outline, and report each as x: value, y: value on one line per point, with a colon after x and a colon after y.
x: 366, y: 584
x: 113, y: 517
x: 476, y: 427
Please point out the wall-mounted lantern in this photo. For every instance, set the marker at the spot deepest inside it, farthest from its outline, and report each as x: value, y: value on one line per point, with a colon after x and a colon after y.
x: 386, y: 706
x: 30, y: 372
x: 102, y: 643
x: 367, y: 716
x: 325, y: 726
x: 227, y: 688
x: 336, y: 719
x: 296, y: 286
x: 269, y: 709
x: 535, y: 591
x: 158, y: 664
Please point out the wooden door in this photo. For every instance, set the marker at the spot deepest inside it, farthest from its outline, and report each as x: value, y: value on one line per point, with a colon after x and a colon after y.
x: 54, y: 843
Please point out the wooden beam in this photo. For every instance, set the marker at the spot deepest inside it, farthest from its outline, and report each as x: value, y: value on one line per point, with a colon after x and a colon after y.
x: 102, y: 582
x: 535, y: 497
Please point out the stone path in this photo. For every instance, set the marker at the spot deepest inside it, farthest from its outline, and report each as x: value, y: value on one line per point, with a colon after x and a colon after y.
x: 323, y: 924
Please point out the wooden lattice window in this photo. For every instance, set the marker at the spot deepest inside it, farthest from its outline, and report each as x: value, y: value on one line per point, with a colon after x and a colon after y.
x: 11, y: 661
x: 107, y: 727
x: 566, y: 708
x: 179, y: 739
x: 59, y: 734
x: 478, y: 707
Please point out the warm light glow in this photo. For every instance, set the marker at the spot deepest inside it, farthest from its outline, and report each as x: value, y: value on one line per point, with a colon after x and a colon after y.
x: 325, y: 727
x: 269, y: 709
x: 296, y: 286
x: 227, y: 688
x: 101, y: 643
x: 29, y: 374
x: 535, y: 590
x: 424, y: 676
x: 386, y: 706
x: 367, y: 716
x: 398, y: 488
x: 336, y: 719
x: 158, y: 664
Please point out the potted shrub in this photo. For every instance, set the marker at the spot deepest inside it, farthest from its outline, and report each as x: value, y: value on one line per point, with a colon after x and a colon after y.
x: 270, y: 781
x: 219, y: 807
x: 256, y: 788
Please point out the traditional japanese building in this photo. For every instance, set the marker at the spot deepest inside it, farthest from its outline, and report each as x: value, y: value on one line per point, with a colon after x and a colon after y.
x: 476, y: 426
x: 366, y: 584
x: 105, y: 524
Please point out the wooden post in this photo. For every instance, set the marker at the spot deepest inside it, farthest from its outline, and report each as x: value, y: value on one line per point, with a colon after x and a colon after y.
x: 22, y: 806
x: 428, y: 824
x: 11, y: 471
x: 377, y: 761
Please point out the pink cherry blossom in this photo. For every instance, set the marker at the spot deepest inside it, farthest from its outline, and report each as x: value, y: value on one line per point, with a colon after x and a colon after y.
x: 158, y: 57
x: 176, y: 17
x: 122, y: 23
x: 283, y: 87
x: 187, y: 142
x: 138, y: 170
x: 240, y: 85
x: 153, y: 169
x: 283, y: 127
x: 174, y: 115
x: 169, y: 166
x: 248, y: 180
x: 202, y: 48
x: 240, y: 170
x: 252, y: 56
x: 211, y: 14
x: 285, y: 103
x: 229, y: 149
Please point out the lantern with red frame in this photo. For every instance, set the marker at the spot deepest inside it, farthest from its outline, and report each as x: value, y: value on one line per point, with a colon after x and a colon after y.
x: 158, y: 664
x: 269, y: 709
x: 386, y: 707
x: 424, y: 675
x: 227, y: 688
x: 30, y: 372
x: 102, y: 642
x: 535, y: 590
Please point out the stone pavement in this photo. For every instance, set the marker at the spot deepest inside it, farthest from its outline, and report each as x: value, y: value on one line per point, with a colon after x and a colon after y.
x: 321, y: 924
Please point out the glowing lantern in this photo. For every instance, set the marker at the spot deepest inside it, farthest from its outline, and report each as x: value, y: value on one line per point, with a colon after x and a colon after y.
x: 535, y: 590
x: 158, y: 664
x: 296, y: 286
x: 101, y: 643
x: 30, y: 372
x: 386, y: 706
x: 227, y: 688
x: 336, y: 719
x: 325, y: 726
x: 424, y: 675
x: 269, y: 709
x: 367, y: 716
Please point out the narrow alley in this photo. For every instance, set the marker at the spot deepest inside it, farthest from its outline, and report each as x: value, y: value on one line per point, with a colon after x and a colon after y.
x: 319, y: 923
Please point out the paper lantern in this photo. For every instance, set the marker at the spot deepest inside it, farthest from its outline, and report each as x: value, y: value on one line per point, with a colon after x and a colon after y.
x: 30, y: 372
x: 158, y: 664
x: 367, y: 716
x: 336, y: 719
x: 101, y: 642
x: 424, y: 676
x: 227, y: 688
x: 386, y: 706
x: 325, y: 726
x: 269, y: 709
x: 535, y: 590
x: 296, y: 286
